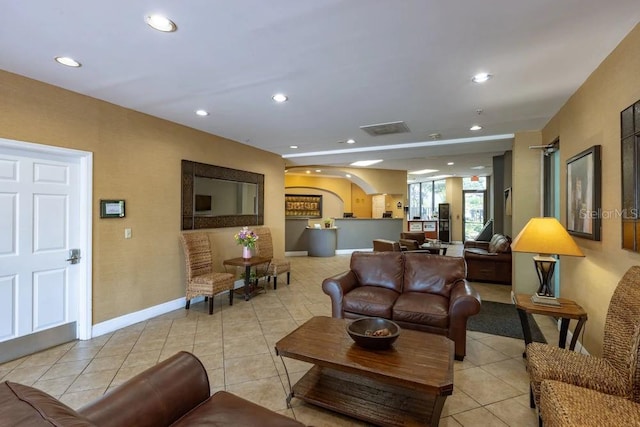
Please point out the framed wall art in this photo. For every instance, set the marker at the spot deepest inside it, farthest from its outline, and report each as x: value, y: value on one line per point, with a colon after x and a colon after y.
x: 583, y: 194
x: 111, y: 208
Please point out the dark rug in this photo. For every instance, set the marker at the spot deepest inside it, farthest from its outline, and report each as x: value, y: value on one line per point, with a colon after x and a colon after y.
x: 497, y: 318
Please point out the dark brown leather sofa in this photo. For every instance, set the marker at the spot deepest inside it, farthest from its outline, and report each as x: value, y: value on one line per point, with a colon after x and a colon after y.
x: 416, y: 290
x: 174, y: 392
x: 489, y: 261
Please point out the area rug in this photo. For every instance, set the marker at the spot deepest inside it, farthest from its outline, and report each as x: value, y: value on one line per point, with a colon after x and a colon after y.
x: 497, y: 318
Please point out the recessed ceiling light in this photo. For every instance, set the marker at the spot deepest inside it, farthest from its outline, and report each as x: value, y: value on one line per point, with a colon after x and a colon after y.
x: 475, y: 127
x: 202, y: 113
x: 286, y: 170
x: 437, y: 177
x: 308, y: 171
x: 351, y: 141
x: 293, y: 146
x: 477, y: 167
x: 318, y: 170
x: 450, y: 164
x: 279, y: 97
x: 69, y: 62
x: 348, y: 175
x: 481, y: 77
x: 365, y: 162
x: 161, y: 23
x: 423, y: 171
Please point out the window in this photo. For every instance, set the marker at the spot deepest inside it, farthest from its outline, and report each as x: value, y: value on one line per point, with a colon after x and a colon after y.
x: 424, y: 198
x: 480, y: 184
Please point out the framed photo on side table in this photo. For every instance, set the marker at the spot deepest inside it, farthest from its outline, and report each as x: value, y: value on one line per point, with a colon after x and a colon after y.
x: 583, y: 194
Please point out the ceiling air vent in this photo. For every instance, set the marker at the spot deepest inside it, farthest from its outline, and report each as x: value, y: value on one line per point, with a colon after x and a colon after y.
x: 385, y: 128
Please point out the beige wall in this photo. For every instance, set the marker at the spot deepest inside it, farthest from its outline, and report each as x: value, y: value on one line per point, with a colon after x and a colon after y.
x: 453, y: 188
x: 361, y: 203
x: 136, y: 157
x: 590, y: 117
x: 525, y: 195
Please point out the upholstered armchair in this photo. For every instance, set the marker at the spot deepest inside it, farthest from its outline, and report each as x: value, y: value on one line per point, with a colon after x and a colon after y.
x: 201, y: 279
x: 264, y: 248
x: 617, y: 372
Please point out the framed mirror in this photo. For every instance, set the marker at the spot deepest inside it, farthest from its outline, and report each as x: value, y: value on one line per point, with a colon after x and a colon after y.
x: 217, y: 197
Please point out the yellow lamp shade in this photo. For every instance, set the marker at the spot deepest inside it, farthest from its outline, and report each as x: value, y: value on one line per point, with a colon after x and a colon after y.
x: 545, y: 236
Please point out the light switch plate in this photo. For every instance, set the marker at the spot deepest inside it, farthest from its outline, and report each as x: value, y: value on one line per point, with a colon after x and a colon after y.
x: 127, y: 233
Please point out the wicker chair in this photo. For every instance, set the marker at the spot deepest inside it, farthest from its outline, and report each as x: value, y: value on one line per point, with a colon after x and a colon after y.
x: 566, y: 405
x: 264, y: 248
x: 617, y: 372
x: 201, y: 279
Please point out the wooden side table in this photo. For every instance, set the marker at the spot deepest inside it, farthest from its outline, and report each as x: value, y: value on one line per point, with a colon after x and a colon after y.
x: 567, y: 310
x: 247, y: 264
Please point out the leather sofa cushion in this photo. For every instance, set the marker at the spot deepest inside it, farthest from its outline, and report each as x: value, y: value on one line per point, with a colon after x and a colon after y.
x: 21, y: 405
x: 225, y: 409
x: 499, y: 243
x: 381, y: 269
x: 423, y: 309
x: 370, y: 301
x: 433, y: 274
x: 478, y: 251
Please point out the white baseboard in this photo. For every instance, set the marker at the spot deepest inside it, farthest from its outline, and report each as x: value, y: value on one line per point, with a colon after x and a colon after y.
x: 350, y: 251
x: 296, y: 253
x: 137, y: 316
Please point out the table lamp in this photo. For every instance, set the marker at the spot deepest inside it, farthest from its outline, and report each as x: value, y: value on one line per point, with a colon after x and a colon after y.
x: 546, y: 237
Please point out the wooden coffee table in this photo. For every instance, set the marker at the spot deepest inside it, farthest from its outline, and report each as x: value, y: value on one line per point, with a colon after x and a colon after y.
x: 404, y: 385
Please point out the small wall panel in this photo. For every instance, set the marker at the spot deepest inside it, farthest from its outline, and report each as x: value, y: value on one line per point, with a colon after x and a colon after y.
x: 50, y: 174
x: 8, y: 170
x: 49, y: 296
x: 8, y: 215
x: 8, y: 325
x: 50, y: 222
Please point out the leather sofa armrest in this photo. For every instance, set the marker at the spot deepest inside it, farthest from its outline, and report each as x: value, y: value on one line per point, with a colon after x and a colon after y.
x: 476, y: 244
x: 337, y: 287
x: 464, y: 300
x: 157, y: 396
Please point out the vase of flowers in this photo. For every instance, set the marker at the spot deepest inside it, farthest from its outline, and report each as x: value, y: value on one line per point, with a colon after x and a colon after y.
x: 247, y: 238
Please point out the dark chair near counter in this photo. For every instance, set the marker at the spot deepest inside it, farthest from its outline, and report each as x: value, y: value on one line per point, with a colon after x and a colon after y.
x: 387, y: 214
x: 347, y: 215
x: 411, y: 241
x: 383, y: 245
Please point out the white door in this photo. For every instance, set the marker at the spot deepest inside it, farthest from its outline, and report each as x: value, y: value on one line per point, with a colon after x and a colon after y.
x: 40, y: 222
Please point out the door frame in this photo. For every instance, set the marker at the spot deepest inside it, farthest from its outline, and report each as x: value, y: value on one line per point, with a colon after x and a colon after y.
x: 85, y: 226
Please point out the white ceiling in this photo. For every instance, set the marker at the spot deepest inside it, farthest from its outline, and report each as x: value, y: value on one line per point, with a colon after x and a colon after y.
x: 343, y: 64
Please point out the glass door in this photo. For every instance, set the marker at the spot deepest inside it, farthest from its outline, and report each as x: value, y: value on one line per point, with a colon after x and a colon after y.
x: 474, y: 206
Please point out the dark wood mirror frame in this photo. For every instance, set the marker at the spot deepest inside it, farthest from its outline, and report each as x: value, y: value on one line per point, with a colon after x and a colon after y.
x: 630, y: 151
x: 190, y: 221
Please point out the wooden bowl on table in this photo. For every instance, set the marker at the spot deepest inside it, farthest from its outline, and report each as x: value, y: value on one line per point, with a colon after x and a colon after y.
x: 373, y: 333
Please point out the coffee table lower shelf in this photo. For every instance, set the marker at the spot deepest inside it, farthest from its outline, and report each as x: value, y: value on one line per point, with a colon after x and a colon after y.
x: 367, y: 399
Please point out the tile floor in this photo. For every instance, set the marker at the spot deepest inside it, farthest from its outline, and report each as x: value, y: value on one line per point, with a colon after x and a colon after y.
x: 236, y: 346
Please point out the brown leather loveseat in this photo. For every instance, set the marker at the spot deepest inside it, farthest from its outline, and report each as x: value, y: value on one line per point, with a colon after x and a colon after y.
x: 174, y: 392
x: 489, y: 261
x: 416, y: 290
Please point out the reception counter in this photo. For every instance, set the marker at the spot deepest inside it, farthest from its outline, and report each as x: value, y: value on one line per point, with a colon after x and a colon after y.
x: 321, y: 242
x: 351, y: 233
